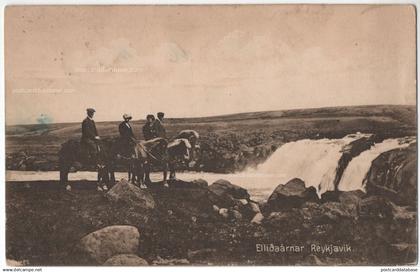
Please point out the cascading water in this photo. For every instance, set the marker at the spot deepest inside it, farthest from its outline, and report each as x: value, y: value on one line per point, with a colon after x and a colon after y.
x: 357, y: 169
x: 313, y: 161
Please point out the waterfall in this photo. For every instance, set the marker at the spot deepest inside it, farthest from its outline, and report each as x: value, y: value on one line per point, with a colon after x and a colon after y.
x: 313, y: 161
x: 357, y: 169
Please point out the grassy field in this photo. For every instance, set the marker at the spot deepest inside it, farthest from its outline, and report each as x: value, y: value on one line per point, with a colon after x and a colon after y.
x: 229, y: 142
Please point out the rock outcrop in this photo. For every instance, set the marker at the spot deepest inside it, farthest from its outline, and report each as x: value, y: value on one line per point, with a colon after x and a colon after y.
x: 349, y: 152
x: 394, y: 175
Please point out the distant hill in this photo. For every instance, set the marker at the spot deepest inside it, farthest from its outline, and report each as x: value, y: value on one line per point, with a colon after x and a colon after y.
x: 401, y: 114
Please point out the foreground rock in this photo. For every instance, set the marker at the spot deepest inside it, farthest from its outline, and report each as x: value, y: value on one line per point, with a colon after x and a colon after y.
x: 125, y: 260
x: 131, y: 195
x: 292, y: 194
x: 102, y: 244
x: 226, y: 189
x: 394, y: 175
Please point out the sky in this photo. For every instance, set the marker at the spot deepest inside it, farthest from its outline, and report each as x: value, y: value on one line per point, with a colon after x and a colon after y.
x: 191, y: 61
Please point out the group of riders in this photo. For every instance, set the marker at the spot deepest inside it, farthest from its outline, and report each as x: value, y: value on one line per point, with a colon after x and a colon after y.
x: 153, y: 128
x: 155, y: 147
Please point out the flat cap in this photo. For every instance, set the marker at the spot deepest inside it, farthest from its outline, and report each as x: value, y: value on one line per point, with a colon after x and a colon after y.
x: 90, y: 110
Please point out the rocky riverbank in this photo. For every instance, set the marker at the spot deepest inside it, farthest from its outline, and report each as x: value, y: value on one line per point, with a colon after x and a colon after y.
x: 193, y: 223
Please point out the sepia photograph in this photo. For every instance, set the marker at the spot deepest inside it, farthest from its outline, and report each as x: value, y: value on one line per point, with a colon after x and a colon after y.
x: 210, y: 135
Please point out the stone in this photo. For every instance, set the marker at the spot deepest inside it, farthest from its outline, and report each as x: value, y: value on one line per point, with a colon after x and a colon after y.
x: 393, y: 174
x: 161, y: 261
x: 131, y: 195
x: 102, y: 244
x: 255, y: 208
x: 215, y: 208
x: 258, y: 218
x: 375, y: 207
x: 236, y: 214
x: 285, y: 219
x: 224, y: 188
x: 292, y: 194
x: 243, y: 201
x: 335, y: 211
x: 200, y: 183
x: 224, y: 212
x: 403, y: 213
x: 201, y: 253
x: 125, y: 260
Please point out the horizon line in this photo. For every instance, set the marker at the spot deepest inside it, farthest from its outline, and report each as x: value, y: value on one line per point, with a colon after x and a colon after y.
x: 223, y: 115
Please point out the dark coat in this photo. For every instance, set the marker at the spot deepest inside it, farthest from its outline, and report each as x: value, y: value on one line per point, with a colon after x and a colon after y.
x: 159, y: 129
x: 126, y: 132
x: 149, y: 132
x: 89, y: 131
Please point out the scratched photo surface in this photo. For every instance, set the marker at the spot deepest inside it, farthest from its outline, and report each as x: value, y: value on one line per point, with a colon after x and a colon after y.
x: 211, y: 135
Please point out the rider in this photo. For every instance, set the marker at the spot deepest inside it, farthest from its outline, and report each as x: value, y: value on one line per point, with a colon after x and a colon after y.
x: 90, y: 136
x: 158, y: 125
x: 148, y: 129
x: 126, y: 133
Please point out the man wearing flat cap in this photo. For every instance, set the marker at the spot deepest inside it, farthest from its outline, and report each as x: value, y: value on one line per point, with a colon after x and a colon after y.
x: 90, y: 135
x: 158, y: 125
x: 126, y: 133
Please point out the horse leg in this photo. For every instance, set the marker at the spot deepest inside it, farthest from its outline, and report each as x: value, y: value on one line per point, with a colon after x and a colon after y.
x: 165, y: 172
x: 172, y: 174
x: 147, y: 179
x: 129, y: 172
x: 147, y: 172
x: 64, y: 174
x: 140, y: 174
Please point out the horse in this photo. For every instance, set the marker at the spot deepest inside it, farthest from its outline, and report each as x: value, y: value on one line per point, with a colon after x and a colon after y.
x: 192, y: 136
x: 178, y: 150
x: 71, y: 152
x: 159, y: 152
x: 146, y: 153
x: 108, y: 155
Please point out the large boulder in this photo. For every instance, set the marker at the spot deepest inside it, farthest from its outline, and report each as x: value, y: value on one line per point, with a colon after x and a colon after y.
x: 200, y: 182
x: 393, y: 174
x: 125, y: 260
x: 292, y: 194
x: 99, y: 246
x: 131, y: 195
x: 224, y: 188
x: 350, y: 151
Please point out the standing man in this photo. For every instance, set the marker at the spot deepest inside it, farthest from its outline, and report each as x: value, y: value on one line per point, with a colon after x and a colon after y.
x: 126, y: 133
x: 148, y: 130
x: 90, y: 135
x: 158, y: 125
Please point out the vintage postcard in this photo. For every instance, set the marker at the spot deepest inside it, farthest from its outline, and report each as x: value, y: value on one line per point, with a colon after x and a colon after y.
x: 211, y: 135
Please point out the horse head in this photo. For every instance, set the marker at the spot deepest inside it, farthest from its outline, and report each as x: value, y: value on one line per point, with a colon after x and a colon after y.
x: 192, y: 136
x: 180, y: 148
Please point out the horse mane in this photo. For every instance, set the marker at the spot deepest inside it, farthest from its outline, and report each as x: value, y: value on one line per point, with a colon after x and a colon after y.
x: 188, y: 131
